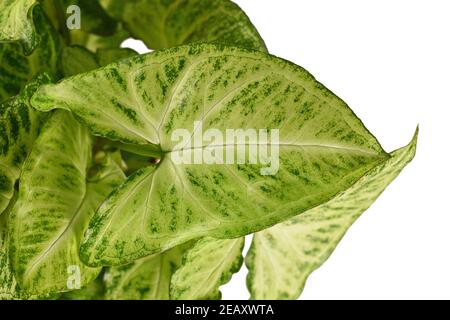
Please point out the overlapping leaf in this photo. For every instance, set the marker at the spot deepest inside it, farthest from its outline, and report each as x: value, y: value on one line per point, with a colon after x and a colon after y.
x: 207, y: 266
x: 282, y: 257
x: 17, y: 69
x: 323, y: 147
x: 145, y: 279
x: 163, y: 24
x: 20, y: 124
x: 55, y: 203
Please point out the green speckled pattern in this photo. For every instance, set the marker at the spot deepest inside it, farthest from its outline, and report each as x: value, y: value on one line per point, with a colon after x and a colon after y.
x: 208, y: 265
x: 20, y: 125
x: 55, y: 203
x: 324, y: 147
x: 281, y: 258
x: 9, y: 290
x: 16, y: 23
x: 164, y: 24
x: 144, y: 279
x: 16, y: 69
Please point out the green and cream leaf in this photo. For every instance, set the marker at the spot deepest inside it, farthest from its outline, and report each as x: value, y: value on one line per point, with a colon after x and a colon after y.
x: 323, y: 147
x: 208, y: 265
x: 16, y: 23
x: 55, y: 203
x: 281, y: 258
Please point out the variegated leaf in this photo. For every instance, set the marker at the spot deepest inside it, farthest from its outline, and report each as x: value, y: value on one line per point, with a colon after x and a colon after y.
x: 55, y: 203
x: 16, y: 23
x: 281, y: 258
x: 208, y: 265
x: 323, y: 147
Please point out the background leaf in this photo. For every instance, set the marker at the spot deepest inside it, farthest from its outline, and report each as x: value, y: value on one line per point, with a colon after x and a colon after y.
x: 55, y: 205
x: 281, y: 258
x: 16, y: 69
x: 208, y: 265
x: 164, y: 24
x: 76, y: 59
x: 106, y: 56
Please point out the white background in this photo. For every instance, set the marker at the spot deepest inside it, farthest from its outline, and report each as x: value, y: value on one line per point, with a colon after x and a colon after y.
x: 390, y: 61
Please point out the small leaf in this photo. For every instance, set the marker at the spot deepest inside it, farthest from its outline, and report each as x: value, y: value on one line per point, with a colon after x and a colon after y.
x: 144, y: 279
x: 54, y: 206
x: 208, y: 265
x: 164, y: 24
x: 281, y: 258
x: 16, y: 23
x: 16, y: 70
x: 323, y: 146
x: 76, y: 59
x: 20, y: 125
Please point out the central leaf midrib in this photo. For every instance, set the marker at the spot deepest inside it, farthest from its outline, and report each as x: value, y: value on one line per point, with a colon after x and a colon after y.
x: 294, y: 145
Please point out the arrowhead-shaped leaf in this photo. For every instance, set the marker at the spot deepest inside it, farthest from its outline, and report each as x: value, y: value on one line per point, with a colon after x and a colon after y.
x: 323, y: 147
x: 208, y: 265
x: 55, y: 203
x: 281, y: 258
x: 164, y: 24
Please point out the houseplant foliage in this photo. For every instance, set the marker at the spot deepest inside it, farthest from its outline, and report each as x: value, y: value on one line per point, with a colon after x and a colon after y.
x: 92, y: 204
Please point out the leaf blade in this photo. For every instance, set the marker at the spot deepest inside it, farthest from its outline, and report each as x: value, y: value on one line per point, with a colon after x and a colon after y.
x: 324, y: 147
x: 54, y: 207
